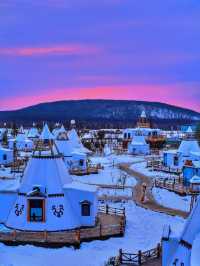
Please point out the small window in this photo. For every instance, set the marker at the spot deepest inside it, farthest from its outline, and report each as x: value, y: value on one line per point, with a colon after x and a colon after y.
x: 36, y: 210
x: 4, y: 157
x: 85, y: 208
x: 81, y: 162
x: 176, y: 161
x: 125, y: 135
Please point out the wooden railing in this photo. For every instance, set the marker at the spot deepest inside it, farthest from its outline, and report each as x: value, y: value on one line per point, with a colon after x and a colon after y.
x: 135, y: 258
x: 106, y: 226
x: 173, y: 186
x: 113, y: 211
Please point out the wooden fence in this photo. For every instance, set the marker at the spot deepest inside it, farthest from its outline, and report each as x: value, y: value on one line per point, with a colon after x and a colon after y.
x: 158, y: 166
x: 110, y: 222
x: 173, y: 186
x: 136, y: 259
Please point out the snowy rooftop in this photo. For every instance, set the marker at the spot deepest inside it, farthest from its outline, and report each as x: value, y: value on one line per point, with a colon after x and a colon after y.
x: 188, y: 146
x: 81, y: 186
x: 46, y: 133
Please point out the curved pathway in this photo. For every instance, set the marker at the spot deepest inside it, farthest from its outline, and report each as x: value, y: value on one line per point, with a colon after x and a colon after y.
x: 150, y: 202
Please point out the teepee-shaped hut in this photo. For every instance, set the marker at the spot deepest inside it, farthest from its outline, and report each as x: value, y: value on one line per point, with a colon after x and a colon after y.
x: 47, y: 199
x: 181, y: 249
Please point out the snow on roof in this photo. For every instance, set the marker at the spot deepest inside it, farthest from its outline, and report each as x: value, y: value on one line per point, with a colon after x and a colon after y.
x: 170, y: 151
x: 64, y: 147
x: 189, y: 234
x: 76, y: 143
x: 81, y: 186
x: 33, y: 133
x: 195, y: 153
x: 9, y: 185
x: 58, y: 131
x: 138, y: 140
x: 5, y: 149
x: 46, y: 133
x: 143, y: 114
x: 5, y: 173
x: 195, y: 180
x: 189, y: 130
x: 196, y: 164
x: 46, y: 172
x: 188, y: 146
x: 195, y: 251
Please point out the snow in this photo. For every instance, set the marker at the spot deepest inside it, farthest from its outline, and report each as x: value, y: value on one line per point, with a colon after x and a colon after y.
x: 141, y: 167
x: 110, y: 175
x: 195, y: 251
x: 126, y: 192
x: 171, y: 200
x: 144, y: 230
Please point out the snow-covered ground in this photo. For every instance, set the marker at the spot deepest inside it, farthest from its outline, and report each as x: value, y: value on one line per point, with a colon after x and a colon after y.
x: 126, y: 192
x: 143, y: 231
x: 141, y: 167
x: 171, y: 200
x: 110, y: 175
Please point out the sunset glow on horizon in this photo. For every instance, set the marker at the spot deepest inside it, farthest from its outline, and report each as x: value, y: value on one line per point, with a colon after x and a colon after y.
x: 99, y: 50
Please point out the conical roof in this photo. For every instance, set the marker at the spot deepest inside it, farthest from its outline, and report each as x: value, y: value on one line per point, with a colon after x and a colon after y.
x: 143, y: 115
x: 33, y: 133
x: 49, y: 173
x: 46, y: 133
x: 76, y: 143
x: 191, y: 230
x: 188, y: 146
x: 189, y: 130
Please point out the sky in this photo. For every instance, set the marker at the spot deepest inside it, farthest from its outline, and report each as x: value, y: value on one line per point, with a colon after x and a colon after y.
x: 99, y: 49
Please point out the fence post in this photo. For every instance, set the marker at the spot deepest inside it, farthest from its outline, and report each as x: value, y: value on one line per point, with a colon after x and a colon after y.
x: 120, y: 256
x: 158, y: 250
x: 45, y: 236
x: 78, y: 237
x: 107, y: 208
x: 100, y: 230
x: 139, y: 257
x: 124, y: 212
x: 14, y: 234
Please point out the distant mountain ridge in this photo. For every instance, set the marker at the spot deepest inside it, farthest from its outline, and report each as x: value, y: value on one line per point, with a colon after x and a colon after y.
x: 113, y: 112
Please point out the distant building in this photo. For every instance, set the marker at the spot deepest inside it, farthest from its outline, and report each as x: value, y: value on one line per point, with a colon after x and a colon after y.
x: 138, y: 146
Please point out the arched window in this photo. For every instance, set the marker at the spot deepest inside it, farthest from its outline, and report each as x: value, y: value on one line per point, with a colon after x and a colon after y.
x: 85, y: 208
x: 5, y: 157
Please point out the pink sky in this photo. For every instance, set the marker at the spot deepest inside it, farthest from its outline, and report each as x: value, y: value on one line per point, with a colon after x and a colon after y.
x: 166, y: 94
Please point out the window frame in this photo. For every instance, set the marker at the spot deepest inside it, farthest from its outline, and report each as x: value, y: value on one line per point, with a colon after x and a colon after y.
x: 29, y: 210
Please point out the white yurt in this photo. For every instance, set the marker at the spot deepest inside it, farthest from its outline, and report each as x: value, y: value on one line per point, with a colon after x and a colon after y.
x: 48, y: 199
x: 181, y: 249
x: 139, y: 146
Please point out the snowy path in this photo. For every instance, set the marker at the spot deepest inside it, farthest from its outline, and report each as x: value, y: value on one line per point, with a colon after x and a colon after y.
x: 150, y: 202
x: 143, y: 231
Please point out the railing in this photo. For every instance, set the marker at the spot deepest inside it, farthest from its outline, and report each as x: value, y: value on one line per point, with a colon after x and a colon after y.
x: 113, y: 211
x: 135, y: 258
x: 105, y: 227
x: 171, y: 185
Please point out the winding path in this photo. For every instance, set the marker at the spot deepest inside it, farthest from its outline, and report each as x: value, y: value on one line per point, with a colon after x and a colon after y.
x: 150, y: 202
